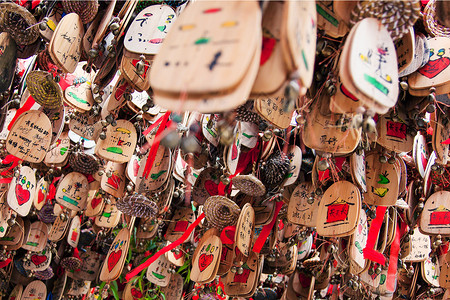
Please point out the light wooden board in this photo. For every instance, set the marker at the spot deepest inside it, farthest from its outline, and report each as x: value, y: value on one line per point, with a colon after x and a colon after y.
x: 128, y: 68
x: 339, y: 209
x: 37, y: 237
x: 119, y: 144
x: 273, y: 70
x: 85, y: 125
x: 382, y: 182
x: 435, y: 214
x: 58, y: 229
x: 182, y: 218
x: 35, y: 290
x: 114, y: 185
x: 149, y: 29
x: 21, y: 191
x: 58, y: 153
x: 39, y: 261
x: 405, y: 50
x: 65, y: 45
x: 110, y: 216
x: 393, y: 133
x: 174, y: 290
x: 373, y: 63
x: 30, y: 136
x: 57, y: 118
x: 436, y: 72
x: 199, y: 61
x: 159, y: 174
x: 73, y: 235
x: 299, y: 210
x: 420, y: 247
x: 299, y: 43
x: 72, y: 191
x: 158, y: 271
x: 118, y: 252
x: 205, y: 261
x: 244, y: 229
x: 328, y: 20
x: 357, y: 243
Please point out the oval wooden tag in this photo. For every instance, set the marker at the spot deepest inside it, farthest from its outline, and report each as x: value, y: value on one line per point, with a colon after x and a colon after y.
x: 158, y: 271
x: 40, y: 194
x: 114, y: 262
x: 174, y: 290
x: 339, y: 209
x: 299, y: 210
x: 182, y: 218
x: 357, y: 243
x: 59, y: 151
x: 73, y: 236
x: 35, y: 290
x: 148, y: 30
x: 39, y: 261
x: 72, y: 191
x: 115, y: 184
x: 85, y: 125
x: 382, y: 182
x: 119, y: 144
x: 435, y: 214
x: 244, y: 229
x: 30, y: 136
x: 21, y: 191
x: 205, y: 261
x: 58, y: 229
x: 110, y: 216
x: 37, y: 237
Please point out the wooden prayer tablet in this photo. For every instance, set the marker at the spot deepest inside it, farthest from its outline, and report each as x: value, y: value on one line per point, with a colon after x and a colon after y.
x: 343, y: 101
x: 420, y: 247
x: 90, y: 266
x: 37, y: 237
x: 110, y: 216
x: 73, y: 236
x: 16, y: 293
x: 79, y: 94
x: 430, y: 272
x: 436, y: 72
x: 65, y: 45
x: 103, y: 26
x: 119, y: 144
x: 21, y: 191
x: 242, y: 284
x: 39, y: 261
x: 382, y: 182
x: 244, y: 229
x: 30, y: 136
x: 357, y: 243
x: 434, y: 217
x: 158, y: 271
x: 272, y: 110
x: 339, y: 209
x: 118, y: 252
x: 58, y: 153
x: 58, y: 229
x: 35, y: 290
x: 128, y: 68
x: 215, y: 102
x: 444, y: 276
x: 300, y: 211
x: 174, y: 290
x: 394, y: 132
x: 358, y: 170
x: 159, y: 173
x: 420, y: 153
x: 419, y: 53
x: 322, y: 135
x: 95, y: 202
x: 329, y: 20
x: 85, y: 125
x: 248, y: 134
x: 72, y: 191
x: 298, y: 38
x: 115, y: 184
x: 405, y: 50
x: 149, y: 29
x: 56, y: 117
x: 273, y: 70
x: 205, y: 260
x: 372, y: 64
x: 212, y: 44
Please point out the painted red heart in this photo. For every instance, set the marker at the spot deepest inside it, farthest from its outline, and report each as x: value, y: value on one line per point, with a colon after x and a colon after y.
x: 95, y: 202
x: 22, y: 195
x: 204, y: 261
x: 41, y: 196
x: 434, y: 67
x: 211, y: 187
x: 137, y: 294
x: 113, y: 259
x: 179, y: 255
x: 38, y: 259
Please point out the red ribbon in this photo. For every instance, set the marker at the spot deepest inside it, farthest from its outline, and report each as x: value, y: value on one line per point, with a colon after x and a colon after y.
x: 259, y: 243
x: 52, y: 189
x: 5, y: 263
x: 5, y: 180
x: 155, y: 145
x: 25, y: 107
x: 369, y: 252
x: 7, y: 160
x: 224, y: 237
x: 393, y: 259
x: 167, y: 248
